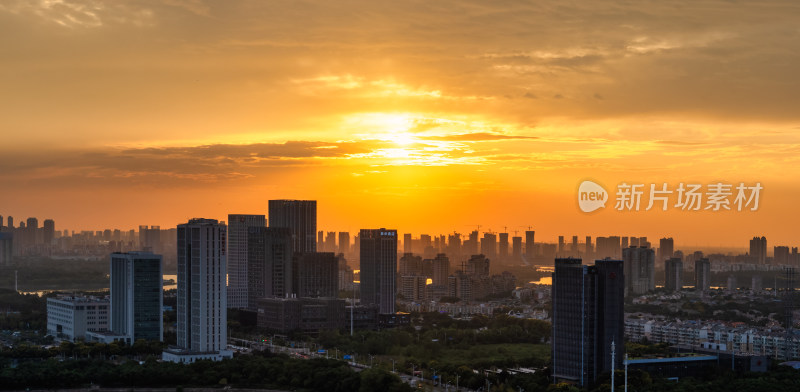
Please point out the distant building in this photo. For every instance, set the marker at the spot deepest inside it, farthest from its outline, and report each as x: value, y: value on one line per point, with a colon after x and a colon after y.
x: 702, y: 274
x: 378, y: 259
x: 300, y: 216
x: 70, y: 318
x: 587, y: 317
x: 502, y: 253
x: 150, y: 238
x: 666, y: 249
x: 639, y: 270
x: 781, y: 255
x: 441, y: 269
x: 238, y: 225
x: 344, y: 242
x: 412, y: 287
x: 202, y: 298
x: 530, y: 242
x: 673, y: 272
x: 48, y: 231
x: 758, y: 249
x: 732, y: 285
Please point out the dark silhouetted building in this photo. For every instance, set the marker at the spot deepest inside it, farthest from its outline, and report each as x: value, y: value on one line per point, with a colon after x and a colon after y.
x: 666, y: 248
x: 702, y: 274
x: 300, y: 216
x: 673, y: 272
x: 640, y: 271
x: 587, y: 317
x: 378, y: 259
x: 316, y: 275
x: 269, y: 263
x: 758, y: 249
x: 238, y: 225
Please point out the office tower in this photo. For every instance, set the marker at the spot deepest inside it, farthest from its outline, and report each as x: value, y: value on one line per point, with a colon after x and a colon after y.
x: 666, y: 249
x: 136, y: 296
x: 516, y: 249
x: 673, y: 270
x: 344, y: 242
x: 639, y: 270
x: 561, y: 246
x: 378, y: 259
x: 441, y: 270
x: 574, y: 247
x: 269, y: 263
x: 316, y: 275
x: 588, y: 316
x: 529, y: 245
x: 202, y: 316
x: 502, y: 253
x: 489, y: 245
x: 10, y: 222
x: 758, y: 249
x: 702, y: 274
x: 48, y: 231
x: 238, y: 225
x: 321, y: 240
x: 150, y: 238
x: 300, y: 216
x: 780, y: 255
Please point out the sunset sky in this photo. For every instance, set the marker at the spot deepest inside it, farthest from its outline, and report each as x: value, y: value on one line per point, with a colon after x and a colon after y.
x: 423, y: 116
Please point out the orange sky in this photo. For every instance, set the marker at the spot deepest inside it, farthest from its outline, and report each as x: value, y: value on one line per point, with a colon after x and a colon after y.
x: 418, y: 115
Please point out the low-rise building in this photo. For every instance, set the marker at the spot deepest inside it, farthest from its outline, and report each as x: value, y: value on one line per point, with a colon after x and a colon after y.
x: 71, y: 317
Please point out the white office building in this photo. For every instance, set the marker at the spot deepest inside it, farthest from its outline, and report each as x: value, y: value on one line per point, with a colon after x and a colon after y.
x: 202, y: 299
x: 70, y: 318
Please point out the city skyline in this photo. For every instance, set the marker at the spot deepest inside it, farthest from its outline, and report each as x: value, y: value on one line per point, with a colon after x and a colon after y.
x: 200, y: 109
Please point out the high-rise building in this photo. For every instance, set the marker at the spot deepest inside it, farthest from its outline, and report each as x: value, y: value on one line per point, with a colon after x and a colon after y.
x: 316, y: 275
x: 407, y: 243
x: 502, y: 253
x: 344, y: 242
x: 412, y: 287
x: 666, y: 248
x: 639, y: 270
x: 202, y: 299
x: 702, y: 274
x: 441, y: 270
x: 330, y: 242
x: 529, y: 245
x: 48, y: 231
x: 378, y: 259
x: 478, y: 266
x: 561, y: 245
x: 300, y: 216
x: 588, y: 317
x: 758, y: 249
x: 269, y: 263
x: 516, y: 249
x: 673, y: 271
x: 31, y: 228
x: 588, y: 249
x: 150, y: 238
x: 238, y: 225
x: 780, y: 255
x: 489, y: 245
x: 136, y: 296
x: 410, y: 264
x: 10, y: 222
